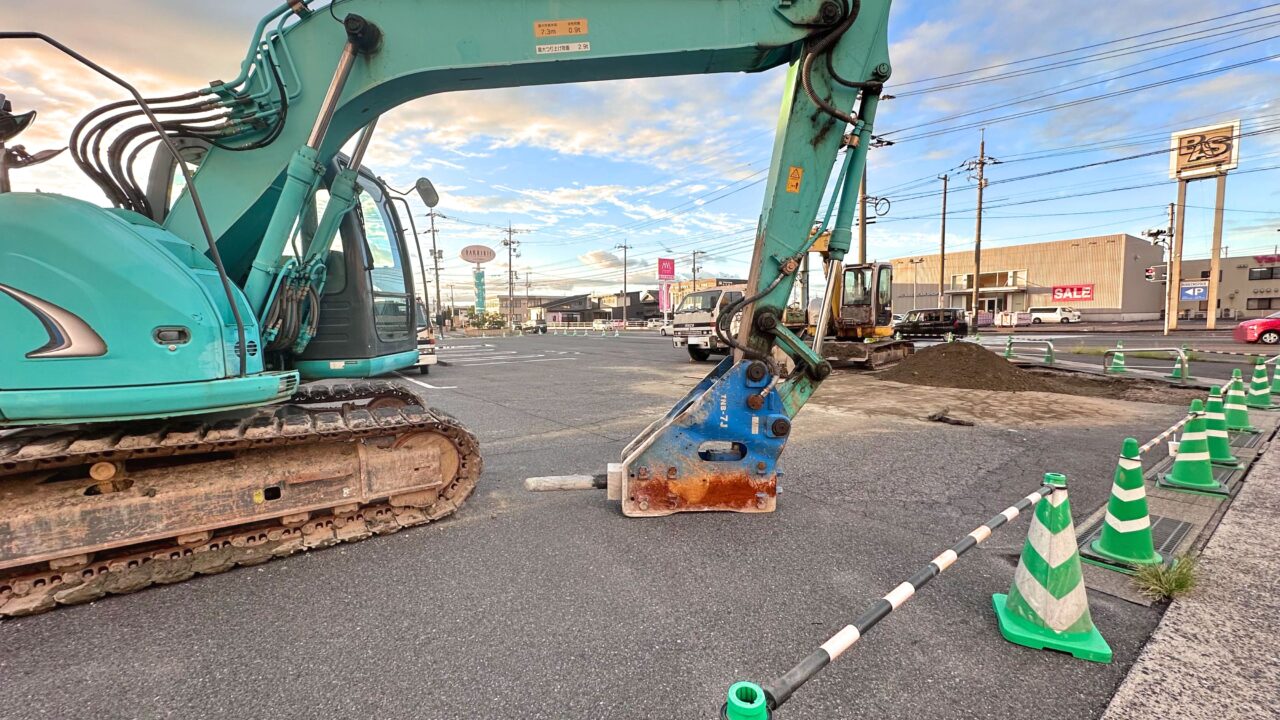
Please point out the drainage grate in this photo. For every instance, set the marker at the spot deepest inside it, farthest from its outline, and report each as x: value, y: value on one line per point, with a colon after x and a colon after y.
x: 1166, y: 534
x: 1245, y: 439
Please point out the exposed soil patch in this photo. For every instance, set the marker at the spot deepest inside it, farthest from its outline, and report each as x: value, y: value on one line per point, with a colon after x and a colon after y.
x: 968, y: 366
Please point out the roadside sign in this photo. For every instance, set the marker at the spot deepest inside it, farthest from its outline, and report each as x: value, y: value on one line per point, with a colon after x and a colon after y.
x: 477, y: 254
x: 479, y: 278
x: 1193, y: 290
x: 1072, y: 293
x: 1204, y: 151
x: 666, y: 268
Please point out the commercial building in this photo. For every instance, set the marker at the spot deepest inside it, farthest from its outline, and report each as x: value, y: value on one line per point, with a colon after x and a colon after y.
x: 1103, y: 277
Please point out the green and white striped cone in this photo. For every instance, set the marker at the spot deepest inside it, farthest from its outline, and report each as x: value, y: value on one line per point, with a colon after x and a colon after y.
x: 1047, y: 607
x: 1215, y: 423
x: 1048, y: 354
x: 1275, y: 387
x: 1191, y: 467
x: 1008, y: 348
x: 1259, y: 389
x: 1237, y: 410
x: 1176, y: 373
x: 1126, y: 529
x: 1117, y: 360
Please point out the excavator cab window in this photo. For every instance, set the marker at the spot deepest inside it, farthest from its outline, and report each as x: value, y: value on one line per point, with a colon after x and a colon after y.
x: 391, y: 307
x: 857, y: 286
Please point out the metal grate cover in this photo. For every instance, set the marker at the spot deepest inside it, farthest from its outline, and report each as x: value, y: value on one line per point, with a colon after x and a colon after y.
x: 1166, y: 534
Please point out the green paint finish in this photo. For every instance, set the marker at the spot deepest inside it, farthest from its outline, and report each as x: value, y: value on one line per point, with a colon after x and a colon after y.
x: 123, y: 277
x: 1117, y: 360
x: 746, y: 701
x: 357, y: 368
x: 143, y: 401
x: 1235, y: 405
x: 1047, y: 605
x: 1128, y: 540
x: 1259, y: 389
x: 1215, y: 423
x: 1088, y: 645
x: 1191, y: 466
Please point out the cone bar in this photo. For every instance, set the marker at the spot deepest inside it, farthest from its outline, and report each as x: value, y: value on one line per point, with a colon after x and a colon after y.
x: 1215, y: 423
x: 1047, y: 606
x: 1237, y: 411
x: 1117, y: 359
x: 1191, y: 467
x: 1126, y: 530
x: 745, y: 698
x: 1259, y: 388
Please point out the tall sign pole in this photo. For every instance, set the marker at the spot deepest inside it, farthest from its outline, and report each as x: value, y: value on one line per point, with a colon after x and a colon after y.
x: 1196, y: 154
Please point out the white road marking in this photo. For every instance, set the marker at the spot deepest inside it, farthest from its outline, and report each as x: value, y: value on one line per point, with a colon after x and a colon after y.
x: 428, y: 386
x: 513, y: 362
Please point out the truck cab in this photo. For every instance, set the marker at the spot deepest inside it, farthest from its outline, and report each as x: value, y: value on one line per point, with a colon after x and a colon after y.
x: 695, y: 317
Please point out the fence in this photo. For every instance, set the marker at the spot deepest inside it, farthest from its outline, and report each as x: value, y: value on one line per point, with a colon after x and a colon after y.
x: 1119, y: 366
x: 1048, y: 358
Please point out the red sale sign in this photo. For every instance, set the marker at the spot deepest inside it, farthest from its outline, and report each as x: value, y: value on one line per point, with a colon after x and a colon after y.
x: 1072, y: 293
x: 666, y: 269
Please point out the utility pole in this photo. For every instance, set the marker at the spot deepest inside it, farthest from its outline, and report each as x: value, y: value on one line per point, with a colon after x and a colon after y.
x: 511, y: 244
x: 942, y: 246
x: 696, y: 253
x: 624, y: 247
x: 862, y: 217
x: 435, y: 262
x: 979, y: 167
x: 453, y: 306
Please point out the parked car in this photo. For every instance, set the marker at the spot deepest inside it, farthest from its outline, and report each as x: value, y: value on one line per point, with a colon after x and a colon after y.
x: 897, y: 319
x: 534, y: 326
x: 1053, y: 314
x: 1260, y: 330
x: 665, y: 330
x: 654, y: 322
x: 933, y: 323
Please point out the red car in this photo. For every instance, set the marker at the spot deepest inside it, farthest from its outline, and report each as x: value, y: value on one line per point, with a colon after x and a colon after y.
x: 1262, y: 330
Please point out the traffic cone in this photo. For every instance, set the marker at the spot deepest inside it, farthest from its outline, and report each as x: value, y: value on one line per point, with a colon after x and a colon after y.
x: 1215, y: 423
x: 1008, y: 348
x: 1047, y: 607
x: 1117, y: 360
x: 949, y: 337
x: 1275, y: 387
x: 1191, y: 467
x: 1126, y: 530
x: 1259, y: 389
x: 1237, y: 410
x: 1176, y: 374
x: 1048, y: 354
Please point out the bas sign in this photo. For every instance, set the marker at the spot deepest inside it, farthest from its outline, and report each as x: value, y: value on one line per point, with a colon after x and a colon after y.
x: 477, y: 254
x: 1072, y: 293
x: 1193, y: 290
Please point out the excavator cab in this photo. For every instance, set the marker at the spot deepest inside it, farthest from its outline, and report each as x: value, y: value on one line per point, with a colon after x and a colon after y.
x: 366, y: 325
x: 866, y: 303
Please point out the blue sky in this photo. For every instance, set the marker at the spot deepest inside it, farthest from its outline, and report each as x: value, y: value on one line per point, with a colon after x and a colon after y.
x: 671, y: 165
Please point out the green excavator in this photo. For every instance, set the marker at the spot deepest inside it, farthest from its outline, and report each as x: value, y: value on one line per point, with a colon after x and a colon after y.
x: 157, y: 415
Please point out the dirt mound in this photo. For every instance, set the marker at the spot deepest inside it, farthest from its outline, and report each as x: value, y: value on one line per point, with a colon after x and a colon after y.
x: 963, y: 365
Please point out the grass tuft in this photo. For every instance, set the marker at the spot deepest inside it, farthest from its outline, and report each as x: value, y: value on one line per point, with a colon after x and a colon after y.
x: 1165, y: 582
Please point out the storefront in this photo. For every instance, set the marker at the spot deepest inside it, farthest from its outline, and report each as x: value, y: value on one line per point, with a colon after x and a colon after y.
x: 1103, y: 277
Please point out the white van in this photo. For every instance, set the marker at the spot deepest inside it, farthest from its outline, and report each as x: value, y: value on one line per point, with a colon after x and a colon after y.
x: 1054, y: 315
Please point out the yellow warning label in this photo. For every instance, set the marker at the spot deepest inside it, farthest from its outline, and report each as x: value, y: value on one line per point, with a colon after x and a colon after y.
x: 794, y: 176
x: 553, y: 28
x: 259, y: 497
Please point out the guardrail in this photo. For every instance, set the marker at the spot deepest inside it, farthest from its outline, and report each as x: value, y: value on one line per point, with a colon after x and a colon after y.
x: 1236, y: 353
x: 1179, y: 353
x: 1048, y: 358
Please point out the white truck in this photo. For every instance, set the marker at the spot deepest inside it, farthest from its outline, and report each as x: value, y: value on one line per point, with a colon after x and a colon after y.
x: 694, y: 317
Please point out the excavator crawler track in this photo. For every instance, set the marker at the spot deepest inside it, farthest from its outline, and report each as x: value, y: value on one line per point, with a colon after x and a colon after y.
x: 104, y: 509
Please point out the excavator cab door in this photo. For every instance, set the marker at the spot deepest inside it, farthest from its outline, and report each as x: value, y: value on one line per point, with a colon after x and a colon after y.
x: 367, y: 321
x: 857, y: 301
x: 883, y: 307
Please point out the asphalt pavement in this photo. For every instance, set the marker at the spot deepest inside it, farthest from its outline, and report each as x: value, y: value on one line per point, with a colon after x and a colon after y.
x: 553, y: 605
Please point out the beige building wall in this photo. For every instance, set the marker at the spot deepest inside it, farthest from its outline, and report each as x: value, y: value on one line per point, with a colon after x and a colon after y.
x: 1018, y: 277
x: 1246, y: 288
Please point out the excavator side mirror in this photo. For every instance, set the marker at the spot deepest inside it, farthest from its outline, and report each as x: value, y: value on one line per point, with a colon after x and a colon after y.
x: 427, y: 192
